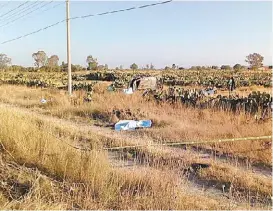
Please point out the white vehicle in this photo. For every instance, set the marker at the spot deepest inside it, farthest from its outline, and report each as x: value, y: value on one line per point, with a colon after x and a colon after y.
x: 143, y: 83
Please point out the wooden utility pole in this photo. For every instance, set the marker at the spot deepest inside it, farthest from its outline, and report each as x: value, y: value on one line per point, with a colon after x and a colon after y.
x: 68, y: 48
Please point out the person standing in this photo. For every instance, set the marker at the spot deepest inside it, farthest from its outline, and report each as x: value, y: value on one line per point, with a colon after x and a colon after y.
x: 231, y: 85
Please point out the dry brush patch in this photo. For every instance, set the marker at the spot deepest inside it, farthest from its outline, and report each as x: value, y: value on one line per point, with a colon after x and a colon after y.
x: 93, y: 185
x: 239, y: 183
x: 22, y: 188
x: 170, y: 121
x: 180, y: 124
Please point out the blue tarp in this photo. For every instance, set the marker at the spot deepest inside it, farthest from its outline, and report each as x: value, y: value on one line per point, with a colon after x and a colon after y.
x: 110, y: 88
x: 132, y: 124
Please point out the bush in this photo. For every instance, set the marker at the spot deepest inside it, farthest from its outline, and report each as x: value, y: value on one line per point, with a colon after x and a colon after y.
x: 50, y: 69
x: 225, y: 67
x: 16, y: 68
x: 237, y: 67
x: 74, y: 68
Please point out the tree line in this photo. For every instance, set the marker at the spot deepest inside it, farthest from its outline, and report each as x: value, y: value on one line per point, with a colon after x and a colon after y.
x: 43, y: 62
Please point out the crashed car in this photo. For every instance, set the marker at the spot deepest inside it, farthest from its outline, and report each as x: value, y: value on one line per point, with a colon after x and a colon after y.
x: 143, y: 83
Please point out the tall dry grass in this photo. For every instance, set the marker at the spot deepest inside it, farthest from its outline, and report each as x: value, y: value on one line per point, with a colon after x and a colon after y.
x: 237, y: 179
x: 92, y: 184
x: 179, y: 124
x: 170, y: 123
x: 171, y: 160
x: 30, y: 146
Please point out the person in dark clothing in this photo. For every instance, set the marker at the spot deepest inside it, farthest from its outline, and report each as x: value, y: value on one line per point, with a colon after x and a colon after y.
x: 231, y: 85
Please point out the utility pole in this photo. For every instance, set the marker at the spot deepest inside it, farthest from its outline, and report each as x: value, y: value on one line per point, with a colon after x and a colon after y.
x: 68, y: 48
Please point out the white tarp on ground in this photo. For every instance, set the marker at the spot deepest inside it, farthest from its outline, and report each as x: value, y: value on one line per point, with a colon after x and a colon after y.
x: 43, y: 101
x: 128, y: 91
x: 132, y: 124
x: 208, y: 92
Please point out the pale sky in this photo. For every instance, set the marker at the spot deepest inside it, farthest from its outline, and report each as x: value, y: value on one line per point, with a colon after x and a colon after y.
x: 181, y: 32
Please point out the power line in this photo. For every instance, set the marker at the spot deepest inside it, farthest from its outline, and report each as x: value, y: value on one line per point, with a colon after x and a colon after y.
x: 26, y: 14
x: 15, y: 8
x: 22, y: 17
x: 5, y: 4
x: 62, y: 2
x: 21, y: 10
x: 87, y: 16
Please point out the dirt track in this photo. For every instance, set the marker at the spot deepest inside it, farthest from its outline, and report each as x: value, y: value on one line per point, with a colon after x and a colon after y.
x: 198, y: 187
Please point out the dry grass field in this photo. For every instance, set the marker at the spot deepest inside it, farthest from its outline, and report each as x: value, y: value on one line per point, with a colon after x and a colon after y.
x: 52, y: 155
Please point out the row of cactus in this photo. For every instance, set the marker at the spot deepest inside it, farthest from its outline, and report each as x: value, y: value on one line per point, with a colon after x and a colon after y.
x: 121, y: 78
x: 40, y: 79
x: 83, y: 86
x: 187, y: 78
x: 256, y: 103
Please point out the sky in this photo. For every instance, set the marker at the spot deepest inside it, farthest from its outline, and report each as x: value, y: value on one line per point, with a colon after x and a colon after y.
x: 185, y: 33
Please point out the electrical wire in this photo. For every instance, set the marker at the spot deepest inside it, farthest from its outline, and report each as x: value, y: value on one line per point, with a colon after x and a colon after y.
x: 86, y: 16
x: 16, y: 13
x: 5, y: 4
x: 12, y: 21
x: 24, y: 16
x: 15, y: 8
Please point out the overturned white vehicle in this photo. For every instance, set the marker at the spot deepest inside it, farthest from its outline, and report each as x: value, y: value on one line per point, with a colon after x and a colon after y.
x: 142, y: 83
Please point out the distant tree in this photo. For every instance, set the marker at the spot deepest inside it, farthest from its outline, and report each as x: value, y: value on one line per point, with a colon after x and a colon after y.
x: 17, y: 68
x: 106, y: 66
x: 121, y: 67
x: 255, y: 60
x: 53, y: 61
x: 134, y: 66
x: 270, y: 67
x: 4, y: 61
x: 167, y: 68
x: 225, y: 67
x: 214, y: 67
x: 117, y: 68
x: 174, y: 66
x: 152, y: 67
x: 74, y: 68
x: 100, y: 67
x: 92, y: 63
x: 63, y: 66
x: 237, y: 67
x: 198, y: 68
x: 181, y: 68
x: 243, y: 67
x: 40, y: 58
